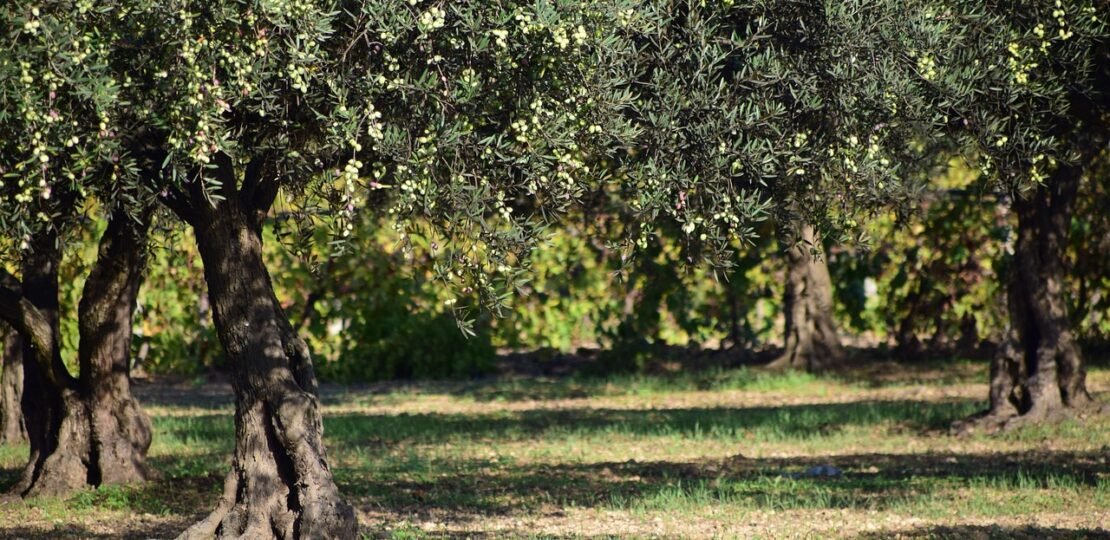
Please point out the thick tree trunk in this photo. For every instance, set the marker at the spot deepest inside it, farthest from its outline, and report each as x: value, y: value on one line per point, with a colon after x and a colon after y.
x: 120, y: 429
x: 86, y: 431
x: 1038, y: 373
x: 11, y: 391
x: 50, y: 405
x: 280, y: 484
x: 811, y: 341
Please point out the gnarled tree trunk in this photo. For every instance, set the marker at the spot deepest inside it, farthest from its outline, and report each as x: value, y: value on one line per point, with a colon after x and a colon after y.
x: 1038, y: 374
x: 280, y: 484
x: 87, y: 430
x: 50, y: 406
x: 120, y: 429
x: 811, y: 341
x: 11, y: 390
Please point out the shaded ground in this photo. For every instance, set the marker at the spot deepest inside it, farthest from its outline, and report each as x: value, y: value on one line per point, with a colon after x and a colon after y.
x: 725, y: 453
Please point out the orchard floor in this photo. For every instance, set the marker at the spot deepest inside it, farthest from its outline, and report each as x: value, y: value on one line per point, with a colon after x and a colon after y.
x: 716, y: 454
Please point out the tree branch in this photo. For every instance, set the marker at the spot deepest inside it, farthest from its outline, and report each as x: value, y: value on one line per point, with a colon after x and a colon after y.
x: 263, y: 198
x: 252, y: 176
x: 260, y: 188
x: 22, y: 315
x: 225, y: 172
x: 178, y: 203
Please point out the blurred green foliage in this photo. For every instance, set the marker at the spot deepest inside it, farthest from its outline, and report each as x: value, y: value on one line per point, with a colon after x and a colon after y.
x: 367, y: 319
x: 376, y: 311
x: 934, y: 278
x: 173, y: 320
x: 1089, y: 255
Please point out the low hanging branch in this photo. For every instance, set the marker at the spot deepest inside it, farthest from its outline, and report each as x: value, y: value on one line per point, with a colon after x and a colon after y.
x: 22, y: 315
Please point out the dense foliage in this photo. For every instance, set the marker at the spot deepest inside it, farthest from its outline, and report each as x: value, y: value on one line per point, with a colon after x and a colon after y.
x: 432, y: 111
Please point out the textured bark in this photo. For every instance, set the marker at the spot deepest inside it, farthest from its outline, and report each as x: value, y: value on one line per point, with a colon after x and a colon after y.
x: 51, y: 408
x: 86, y: 431
x: 811, y: 342
x: 120, y: 429
x: 11, y: 391
x: 280, y: 484
x: 1038, y: 374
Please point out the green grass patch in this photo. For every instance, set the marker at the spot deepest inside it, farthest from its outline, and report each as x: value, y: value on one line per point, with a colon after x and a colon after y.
x: 683, y: 454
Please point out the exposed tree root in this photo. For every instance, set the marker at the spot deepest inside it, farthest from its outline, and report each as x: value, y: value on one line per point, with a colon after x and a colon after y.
x: 277, y: 466
x: 63, y: 467
x: 1000, y: 422
x: 86, y: 453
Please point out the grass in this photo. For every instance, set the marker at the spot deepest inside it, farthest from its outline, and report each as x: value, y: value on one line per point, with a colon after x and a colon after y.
x: 712, y: 454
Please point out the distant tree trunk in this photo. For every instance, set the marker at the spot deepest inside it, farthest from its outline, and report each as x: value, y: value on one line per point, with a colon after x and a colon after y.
x: 86, y: 431
x: 280, y: 484
x: 968, y: 342
x: 202, y: 342
x: 735, y: 338
x: 11, y: 390
x: 811, y: 341
x: 908, y: 345
x: 1038, y: 374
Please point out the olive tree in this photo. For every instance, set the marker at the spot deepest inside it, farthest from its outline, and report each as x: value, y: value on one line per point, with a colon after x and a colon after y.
x: 802, y: 111
x: 1027, y: 89
x: 60, y: 156
x: 472, y: 123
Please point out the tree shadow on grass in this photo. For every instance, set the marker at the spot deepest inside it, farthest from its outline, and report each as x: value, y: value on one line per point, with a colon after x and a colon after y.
x: 867, y: 482
x: 789, y: 422
x: 217, y: 394
x: 995, y: 532
x: 8, y: 477
x: 958, y: 532
x: 214, y: 432
x: 212, y: 395
x: 745, y: 423
x: 131, y: 532
x: 467, y: 491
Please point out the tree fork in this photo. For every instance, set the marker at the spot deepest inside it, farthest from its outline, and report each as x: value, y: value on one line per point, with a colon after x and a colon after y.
x: 121, y: 431
x: 280, y: 484
x: 49, y: 392
x: 1038, y: 373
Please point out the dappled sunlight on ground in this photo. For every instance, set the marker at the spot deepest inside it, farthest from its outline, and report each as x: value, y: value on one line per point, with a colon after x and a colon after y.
x: 729, y: 453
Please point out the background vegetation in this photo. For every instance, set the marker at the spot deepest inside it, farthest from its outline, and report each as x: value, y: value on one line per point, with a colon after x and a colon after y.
x: 931, y: 285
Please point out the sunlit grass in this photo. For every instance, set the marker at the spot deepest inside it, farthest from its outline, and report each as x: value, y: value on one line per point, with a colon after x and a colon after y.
x: 686, y: 449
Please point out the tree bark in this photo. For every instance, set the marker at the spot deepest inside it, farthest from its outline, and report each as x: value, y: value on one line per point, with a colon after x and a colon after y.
x: 1038, y: 373
x: 50, y: 406
x: 86, y: 431
x: 280, y: 484
x: 121, y: 430
x: 11, y: 391
x: 811, y: 341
